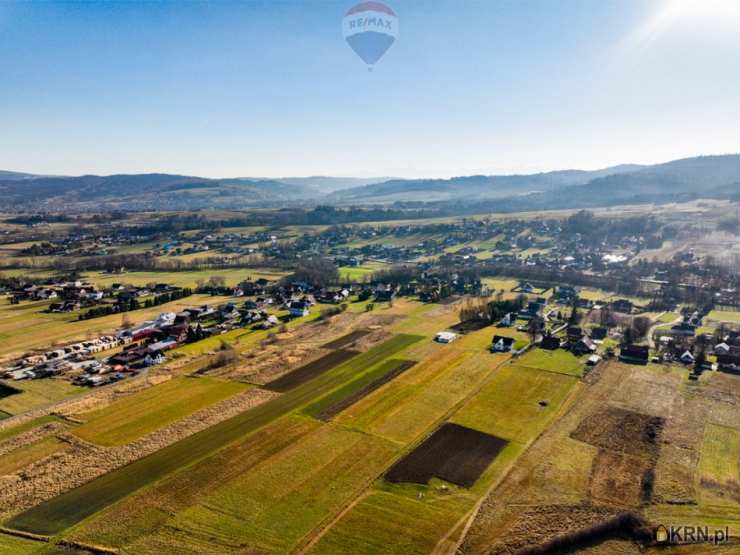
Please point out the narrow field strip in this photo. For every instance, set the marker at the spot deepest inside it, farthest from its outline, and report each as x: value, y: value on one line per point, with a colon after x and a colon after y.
x: 63, y: 511
x: 307, y: 372
x: 329, y: 406
x: 346, y: 340
x: 134, y: 416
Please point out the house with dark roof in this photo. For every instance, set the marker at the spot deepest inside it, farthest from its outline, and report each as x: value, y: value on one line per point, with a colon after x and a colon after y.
x: 550, y: 343
x: 584, y: 346
x: 634, y: 354
x: 502, y: 344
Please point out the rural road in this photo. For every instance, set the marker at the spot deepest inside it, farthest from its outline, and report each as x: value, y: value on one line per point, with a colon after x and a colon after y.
x: 656, y: 324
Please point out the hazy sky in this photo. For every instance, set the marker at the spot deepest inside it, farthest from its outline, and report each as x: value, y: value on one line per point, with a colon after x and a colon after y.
x: 270, y: 88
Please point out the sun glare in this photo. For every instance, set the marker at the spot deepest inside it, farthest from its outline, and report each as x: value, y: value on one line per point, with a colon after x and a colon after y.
x: 707, y: 17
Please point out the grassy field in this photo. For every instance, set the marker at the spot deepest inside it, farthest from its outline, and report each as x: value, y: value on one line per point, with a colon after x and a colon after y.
x: 509, y: 405
x: 405, y: 408
x: 70, y: 508
x: 11, y: 545
x: 25, y: 327
x: 136, y: 415
x: 36, y: 393
x: 719, y: 466
x: 406, y: 518
x: 22, y: 457
x: 24, y: 427
x: 140, y: 517
x: 356, y: 273
x: 724, y: 316
x: 180, y: 279
x: 352, y: 388
x: 280, y: 501
x: 558, y: 361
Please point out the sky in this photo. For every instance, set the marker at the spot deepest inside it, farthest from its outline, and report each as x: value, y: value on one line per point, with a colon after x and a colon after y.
x: 271, y: 88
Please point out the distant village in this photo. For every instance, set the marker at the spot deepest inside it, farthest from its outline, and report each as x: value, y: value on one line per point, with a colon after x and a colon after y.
x: 551, y: 316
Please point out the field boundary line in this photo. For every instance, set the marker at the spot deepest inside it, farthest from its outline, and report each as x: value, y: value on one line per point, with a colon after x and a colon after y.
x: 322, y: 530
x: 470, y: 516
x: 25, y: 535
x: 546, y: 370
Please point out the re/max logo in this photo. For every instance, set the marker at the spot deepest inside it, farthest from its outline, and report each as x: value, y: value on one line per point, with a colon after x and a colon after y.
x: 378, y: 22
x: 692, y: 534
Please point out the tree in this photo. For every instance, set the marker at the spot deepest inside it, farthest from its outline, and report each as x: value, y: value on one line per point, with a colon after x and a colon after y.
x: 640, y: 326
x: 627, y: 336
x: 535, y: 326
x: 317, y: 272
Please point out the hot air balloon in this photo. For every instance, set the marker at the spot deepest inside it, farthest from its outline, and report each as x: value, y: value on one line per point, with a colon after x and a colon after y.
x: 370, y: 28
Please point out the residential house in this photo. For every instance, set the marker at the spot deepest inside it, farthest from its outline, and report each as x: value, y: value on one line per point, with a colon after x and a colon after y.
x: 634, y: 354
x: 502, y: 344
x: 298, y: 309
x: 622, y: 305
x: 583, y: 346
x: 550, y: 342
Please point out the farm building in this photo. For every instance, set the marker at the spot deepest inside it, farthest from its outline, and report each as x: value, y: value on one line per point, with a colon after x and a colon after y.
x: 445, y: 337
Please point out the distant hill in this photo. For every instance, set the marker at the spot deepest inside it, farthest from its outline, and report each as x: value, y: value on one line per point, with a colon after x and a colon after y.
x: 323, y: 184
x: 471, y: 187
x: 12, y: 176
x: 686, y: 179
x: 146, y: 191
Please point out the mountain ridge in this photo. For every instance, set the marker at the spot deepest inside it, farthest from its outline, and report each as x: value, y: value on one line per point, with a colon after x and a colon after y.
x: 716, y: 176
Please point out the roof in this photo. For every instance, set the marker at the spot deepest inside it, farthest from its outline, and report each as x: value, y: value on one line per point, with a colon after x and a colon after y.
x: 506, y: 340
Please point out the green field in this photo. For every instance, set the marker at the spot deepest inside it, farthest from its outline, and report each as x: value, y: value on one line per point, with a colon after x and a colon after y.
x: 280, y: 501
x: 508, y: 406
x: 136, y: 415
x: 63, y: 511
x: 140, y: 518
x: 559, y: 361
x: 24, y: 427
x: 724, y: 316
x: 356, y: 273
x: 394, y: 520
x: 719, y: 465
x: 353, y: 387
x: 11, y: 545
x: 409, y: 518
x: 36, y: 393
x: 22, y: 457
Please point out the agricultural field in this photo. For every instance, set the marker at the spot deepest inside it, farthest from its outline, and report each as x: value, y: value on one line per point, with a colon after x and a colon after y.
x: 25, y: 328
x: 559, y: 361
x: 366, y: 435
x: 614, y: 450
x: 180, y: 279
x: 36, y: 393
x: 724, y: 316
x: 134, y: 416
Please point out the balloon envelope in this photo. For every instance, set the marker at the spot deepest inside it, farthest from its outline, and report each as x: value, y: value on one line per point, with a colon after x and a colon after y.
x: 370, y: 28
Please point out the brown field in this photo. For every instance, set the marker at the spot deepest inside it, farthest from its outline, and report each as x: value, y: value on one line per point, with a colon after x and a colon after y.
x: 309, y: 371
x: 452, y: 453
x: 631, y: 440
x: 346, y: 340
